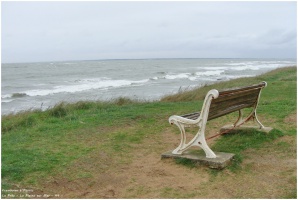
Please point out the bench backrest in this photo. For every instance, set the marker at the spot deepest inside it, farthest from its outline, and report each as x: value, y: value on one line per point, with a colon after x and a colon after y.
x: 232, y: 100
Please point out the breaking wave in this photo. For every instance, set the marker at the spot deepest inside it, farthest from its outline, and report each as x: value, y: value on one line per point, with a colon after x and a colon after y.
x: 79, y: 86
x: 13, y: 95
x: 191, y: 76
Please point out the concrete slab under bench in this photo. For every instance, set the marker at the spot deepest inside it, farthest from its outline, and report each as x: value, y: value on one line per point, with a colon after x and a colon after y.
x: 199, y: 157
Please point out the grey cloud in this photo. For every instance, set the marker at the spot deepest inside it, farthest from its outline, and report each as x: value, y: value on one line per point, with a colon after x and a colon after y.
x: 278, y: 37
x: 45, y: 31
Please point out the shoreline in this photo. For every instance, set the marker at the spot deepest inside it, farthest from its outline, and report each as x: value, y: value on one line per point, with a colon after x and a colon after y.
x: 135, y: 99
x: 73, y: 98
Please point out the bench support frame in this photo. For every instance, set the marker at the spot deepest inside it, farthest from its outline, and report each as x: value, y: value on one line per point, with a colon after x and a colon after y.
x: 253, y: 115
x: 199, y: 138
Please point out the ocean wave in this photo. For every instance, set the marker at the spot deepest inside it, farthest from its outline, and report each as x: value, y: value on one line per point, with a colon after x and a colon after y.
x: 210, y: 73
x: 79, y: 86
x: 6, y: 100
x: 247, y: 67
x: 140, y: 81
x: 257, y: 65
x: 68, y: 63
x: 154, y: 78
x: 177, y: 76
x: 239, y: 63
x: 5, y: 96
x: 14, y: 95
x: 191, y: 76
x: 214, y: 68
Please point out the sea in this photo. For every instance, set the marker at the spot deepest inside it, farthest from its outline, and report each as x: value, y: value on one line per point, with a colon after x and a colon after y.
x: 41, y: 85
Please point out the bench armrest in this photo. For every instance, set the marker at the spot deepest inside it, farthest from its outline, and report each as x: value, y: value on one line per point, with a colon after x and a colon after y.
x: 175, y: 118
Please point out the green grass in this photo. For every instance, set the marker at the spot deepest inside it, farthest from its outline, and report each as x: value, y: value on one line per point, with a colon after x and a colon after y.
x: 185, y: 162
x: 37, y: 145
x: 242, y: 140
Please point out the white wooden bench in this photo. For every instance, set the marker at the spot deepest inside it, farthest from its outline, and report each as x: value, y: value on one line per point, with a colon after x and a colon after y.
x: 217, y: 104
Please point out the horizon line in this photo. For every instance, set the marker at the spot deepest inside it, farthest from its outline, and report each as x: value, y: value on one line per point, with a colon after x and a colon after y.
x: 110, y: 59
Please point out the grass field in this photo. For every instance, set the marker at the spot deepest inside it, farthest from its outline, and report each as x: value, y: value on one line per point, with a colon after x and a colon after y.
x: 112, y: 149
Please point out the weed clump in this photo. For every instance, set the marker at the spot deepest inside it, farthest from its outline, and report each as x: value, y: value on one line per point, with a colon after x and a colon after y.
x: 58, y: 111
x: 23, y: 119
x: 123, y: 101
x: 83, y: 105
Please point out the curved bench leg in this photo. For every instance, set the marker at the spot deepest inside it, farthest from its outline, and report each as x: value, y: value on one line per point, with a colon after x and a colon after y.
x: 253, y: 114
x: 258, y: 121
x: 201, y: 141
x: 239, y: 121
x: 198, y: 140
x: 178, y: 150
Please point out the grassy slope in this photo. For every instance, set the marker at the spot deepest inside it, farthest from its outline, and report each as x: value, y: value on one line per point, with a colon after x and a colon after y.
x: 37, y: 146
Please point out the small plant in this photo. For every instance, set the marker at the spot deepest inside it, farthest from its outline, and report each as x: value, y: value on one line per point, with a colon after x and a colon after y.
x: 83, y: 105
x: 23, y: 119
x: 123, y: 101
x: 59, y: 110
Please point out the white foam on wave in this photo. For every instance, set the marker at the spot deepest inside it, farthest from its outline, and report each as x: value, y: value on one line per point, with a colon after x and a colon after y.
x: 214, y: 68
x: 6, y: 100
x: 83, y: 85
x: 140, y: 81
x: 192, y: 76
x: 257, y: 65
x: 246, y: 67
x: 177, y: 76
x: 239, y: 63
x: 5, y: 96
x: 210, y: 73
x: 206, y: 75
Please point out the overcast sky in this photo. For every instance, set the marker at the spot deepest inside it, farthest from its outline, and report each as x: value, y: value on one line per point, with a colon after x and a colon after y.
x: 59, y: 31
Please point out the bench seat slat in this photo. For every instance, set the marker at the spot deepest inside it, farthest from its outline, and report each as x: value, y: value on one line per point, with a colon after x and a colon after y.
x: 193, y: 116
x: 218, y: 113
x: 227, y: 111
x: 231, y: 100
x: 230, y: 109
x: 222, y: 105
x: 231, y: 90
x: 247, y: 100
x: 236, y: 96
